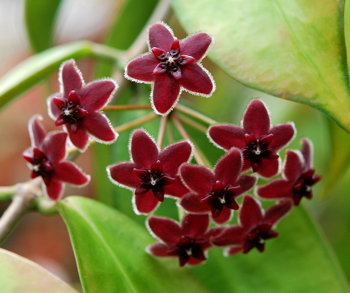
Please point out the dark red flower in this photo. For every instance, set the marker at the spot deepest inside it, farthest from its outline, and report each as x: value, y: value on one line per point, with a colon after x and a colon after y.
x: 188, y: 242
x: 152, y: 173
x: 258, y: 141
x: 172, y: 66
x: 256, y: 226
x: 46, y: 159
x: 299, y: 177
x: 216, y: 192
x: 77, y: 105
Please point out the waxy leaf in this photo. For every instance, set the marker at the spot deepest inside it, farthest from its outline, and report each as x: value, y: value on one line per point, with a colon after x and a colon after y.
x: 297, y: 261
x: 290, y: 49
x: 110, y: 252
x: 40, y: 16
x: 18, y: 275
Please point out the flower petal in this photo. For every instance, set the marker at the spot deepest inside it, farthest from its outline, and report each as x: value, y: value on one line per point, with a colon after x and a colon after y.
x: 230, y: 236
x: 160, y: 36
x: 165, y: 93
x: 165, y: 229
x: 192, y: 202
x: 197, y: 178
x: 229, y: 167
x: 307, y: 151
x: 54, y: 146
x: 174, y: 155
x: 177, y: 188
x: 195, y: 261
x: 268, y: 167
x: 96, y: 94
x: 54, y: 188
x: 224, y: 216
x: 197, y: 80
x: 141, y: 68
x: 282, y: 134
x: 159, y: 249
x: 277, y: 212
x: 98, y: 125
x: 278, y: 188
x: 256, y: 120
x: 196, y: 45
x: 251, y: 213
x: 70, y: 173
x: 246, y: 182
x: 145, y: 202
x: 53, y: 110
x: 36, y: 132
x: 234, y: 250
x: 194, y: 225
x: 122, y: 173
x: 79, y: 136
x: 227, y: 136
x: 70, y: 77
x: 294, y: 165
x: 144, y: 151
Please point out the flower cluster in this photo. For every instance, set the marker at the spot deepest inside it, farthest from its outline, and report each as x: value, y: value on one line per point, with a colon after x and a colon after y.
x: 77, y: 108
x: 205, y: 194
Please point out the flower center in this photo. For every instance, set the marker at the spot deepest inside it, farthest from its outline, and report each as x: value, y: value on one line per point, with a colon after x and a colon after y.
x: 257, y: 236
x: 171, y: 61
x: 72, y: 112
x: 153, y: 179
x: 222, y: 195
x: 303, y: 186
x: 258, y: 148
x: 189, y: 247
x: 40, y: 164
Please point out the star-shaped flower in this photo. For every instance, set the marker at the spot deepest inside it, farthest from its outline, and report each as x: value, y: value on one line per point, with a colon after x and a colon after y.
x: 257, y: 139
x: 299, y: 177
x: 215, y: 192
x: 256, y: 226
x: 172, y: 66
x: 188, y: 242
x: 152, y: 173
x: 46, y: 159
x: 77, y: 106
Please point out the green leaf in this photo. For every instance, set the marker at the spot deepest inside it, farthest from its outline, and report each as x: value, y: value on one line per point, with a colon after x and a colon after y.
x: 37, y: 67
x: 40, y: 16
x: 18, y: 274
x: 291, y: 49
x: 110, y: 252
x: 297, y: 261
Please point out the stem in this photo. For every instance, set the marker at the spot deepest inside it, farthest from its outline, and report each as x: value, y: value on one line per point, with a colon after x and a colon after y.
x: 6, y: 192
x: 135, y: 123
x: 126, y: 107
x: 185, y: 135
x: 192, y: 123
x: 21, y: 202
x: 195, y: 114
x: 140, y: 44
x: 161, y: 131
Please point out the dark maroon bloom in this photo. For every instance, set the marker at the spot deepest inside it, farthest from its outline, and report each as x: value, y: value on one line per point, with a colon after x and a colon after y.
x: 299, y: 177
x: 172, y: 66
x: 77, y: 105
x: 216, y: 192
x: 46, y: 159
x: 152, y: 173
x: 255, y: 227
x: 188, y: 242
x: 258, y: 141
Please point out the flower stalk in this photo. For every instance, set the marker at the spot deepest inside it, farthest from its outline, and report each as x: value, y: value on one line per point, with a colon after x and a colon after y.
x: 162, y: 128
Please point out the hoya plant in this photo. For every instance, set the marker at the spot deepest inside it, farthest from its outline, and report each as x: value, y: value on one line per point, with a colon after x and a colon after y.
x: 201, y: 178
